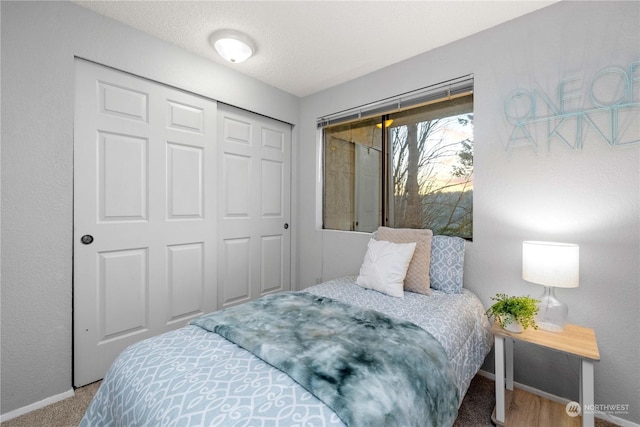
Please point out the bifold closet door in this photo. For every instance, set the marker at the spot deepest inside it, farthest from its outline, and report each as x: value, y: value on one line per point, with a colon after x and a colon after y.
x: 254, y: 243
x: 145, y: 213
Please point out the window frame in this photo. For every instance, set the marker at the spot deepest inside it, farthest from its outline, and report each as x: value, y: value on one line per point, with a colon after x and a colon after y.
x: 381, y: 110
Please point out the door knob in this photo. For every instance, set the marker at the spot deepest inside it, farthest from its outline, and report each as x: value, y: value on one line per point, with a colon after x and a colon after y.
x: 87, y: 239
x: 286, y: 225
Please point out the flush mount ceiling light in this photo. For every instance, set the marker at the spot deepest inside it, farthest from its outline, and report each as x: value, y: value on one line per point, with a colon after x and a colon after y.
x: 232, y: 45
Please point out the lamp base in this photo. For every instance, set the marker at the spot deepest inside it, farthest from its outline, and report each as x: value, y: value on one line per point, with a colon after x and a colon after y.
x: 553, y: 313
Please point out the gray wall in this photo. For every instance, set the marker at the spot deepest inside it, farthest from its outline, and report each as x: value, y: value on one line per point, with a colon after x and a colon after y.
x: 589, y: 196
x: 39, y: 42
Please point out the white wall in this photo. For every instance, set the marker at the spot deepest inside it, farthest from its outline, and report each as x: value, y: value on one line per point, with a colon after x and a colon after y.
x: 589, y: 196
x: 39, y: 42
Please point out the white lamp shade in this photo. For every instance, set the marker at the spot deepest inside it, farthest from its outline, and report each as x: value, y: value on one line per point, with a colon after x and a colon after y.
x: 551, y: 264
x: 233, y: 46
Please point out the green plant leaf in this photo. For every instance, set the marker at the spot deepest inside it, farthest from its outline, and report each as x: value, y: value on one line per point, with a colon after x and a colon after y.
x: 521, y: 309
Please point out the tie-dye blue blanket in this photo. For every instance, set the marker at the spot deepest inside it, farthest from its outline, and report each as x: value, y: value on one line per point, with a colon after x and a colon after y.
x: 371, y: 369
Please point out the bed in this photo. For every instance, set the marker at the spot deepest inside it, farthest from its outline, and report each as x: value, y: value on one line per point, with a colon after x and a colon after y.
x: 196, y: 375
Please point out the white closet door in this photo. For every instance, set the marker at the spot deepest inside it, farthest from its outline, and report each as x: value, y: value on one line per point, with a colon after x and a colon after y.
x: 254, y: 208
x: 145, y: 202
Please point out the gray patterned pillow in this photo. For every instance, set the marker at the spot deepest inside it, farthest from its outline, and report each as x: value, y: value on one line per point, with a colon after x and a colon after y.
x: 447, y: 264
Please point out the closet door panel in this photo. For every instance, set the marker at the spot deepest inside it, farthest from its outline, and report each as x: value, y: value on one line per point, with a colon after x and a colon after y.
x: 254, y: 164
x: 145, y: 213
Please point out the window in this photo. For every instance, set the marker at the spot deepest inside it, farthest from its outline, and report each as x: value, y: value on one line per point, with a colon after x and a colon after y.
x: 407, y: 167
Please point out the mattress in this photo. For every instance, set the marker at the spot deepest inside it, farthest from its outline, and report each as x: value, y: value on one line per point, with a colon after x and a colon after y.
x: 194, y: 377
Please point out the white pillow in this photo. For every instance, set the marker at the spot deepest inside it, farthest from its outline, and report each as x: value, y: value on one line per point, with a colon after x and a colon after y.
x: 385, y: 267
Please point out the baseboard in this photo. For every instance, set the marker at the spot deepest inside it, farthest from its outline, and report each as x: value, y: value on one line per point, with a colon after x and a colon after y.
x: 35, y: 406
x: 613, y: 419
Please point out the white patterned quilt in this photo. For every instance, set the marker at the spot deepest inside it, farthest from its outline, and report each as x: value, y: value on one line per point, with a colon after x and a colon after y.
x: 192, y: 377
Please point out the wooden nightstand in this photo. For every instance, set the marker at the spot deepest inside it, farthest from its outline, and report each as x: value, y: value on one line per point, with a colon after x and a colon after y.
x: 574, y: 340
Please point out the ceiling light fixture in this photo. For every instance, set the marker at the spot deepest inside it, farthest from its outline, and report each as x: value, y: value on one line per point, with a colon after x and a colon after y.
x: 232, y: 45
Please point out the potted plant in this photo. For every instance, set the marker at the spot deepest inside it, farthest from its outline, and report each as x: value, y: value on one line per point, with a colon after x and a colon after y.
x: 514, y: 314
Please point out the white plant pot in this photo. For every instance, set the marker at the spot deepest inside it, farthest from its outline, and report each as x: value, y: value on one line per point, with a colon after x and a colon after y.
x: 513, y: 326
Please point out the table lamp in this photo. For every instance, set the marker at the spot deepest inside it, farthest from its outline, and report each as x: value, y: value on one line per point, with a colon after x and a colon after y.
x: 553, y: 265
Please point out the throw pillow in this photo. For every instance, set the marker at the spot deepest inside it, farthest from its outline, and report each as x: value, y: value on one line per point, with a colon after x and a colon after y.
x: 447, y: 264
x: 417, y: 279
x: 385, y: 267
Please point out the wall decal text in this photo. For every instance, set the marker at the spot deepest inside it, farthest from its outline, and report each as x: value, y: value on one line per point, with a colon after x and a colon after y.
x: 604, y: 108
